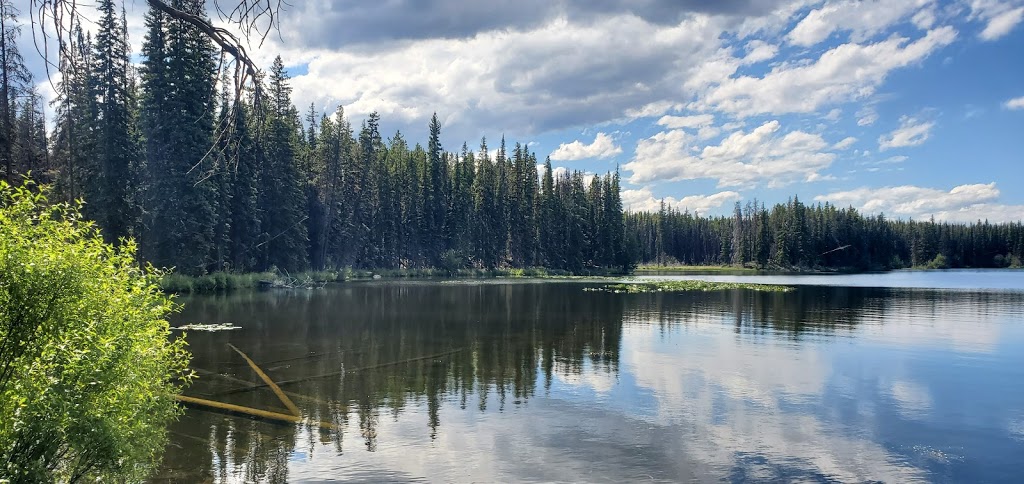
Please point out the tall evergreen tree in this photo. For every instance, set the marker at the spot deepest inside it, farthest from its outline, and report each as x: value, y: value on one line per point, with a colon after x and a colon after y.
x: 14, y: 78
x: 118, y: 148
x: 283, y: 199
x: 73, y: 139
x: 31, y: 152
x: 179, y: 74
x: 436, y: 194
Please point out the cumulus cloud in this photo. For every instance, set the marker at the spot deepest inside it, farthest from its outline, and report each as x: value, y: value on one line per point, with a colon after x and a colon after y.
x: 759, y: 51
x: 679, y: 122
x: 315, y: 22
x: 761, y: 157
x: 643, y: 199
x: 602, y: 147
x: 845, y: 143
x: 862, y: 19
x: 912, y: 132
x: 846, y: 72
x: 555, y: 75
x: 1001, y: 24
x: 963, y: 203
x: 1015, y: 103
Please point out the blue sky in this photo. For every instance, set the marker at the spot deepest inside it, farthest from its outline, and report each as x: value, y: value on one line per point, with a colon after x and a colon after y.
x: 914, y: 108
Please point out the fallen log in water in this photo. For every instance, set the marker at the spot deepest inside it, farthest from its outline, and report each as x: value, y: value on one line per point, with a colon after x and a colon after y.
x: 253, y: 412
x: 247, y: 383
x: 273, y: 386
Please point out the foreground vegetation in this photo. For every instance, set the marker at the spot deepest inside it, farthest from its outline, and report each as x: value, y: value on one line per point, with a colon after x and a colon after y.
x: 88, y: 372
x: 684, y: 286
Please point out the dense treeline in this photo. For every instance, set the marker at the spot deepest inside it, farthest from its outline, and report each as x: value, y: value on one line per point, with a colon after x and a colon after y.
x: 794, y: 235
x: 273, y: 193
x: 209, y: 181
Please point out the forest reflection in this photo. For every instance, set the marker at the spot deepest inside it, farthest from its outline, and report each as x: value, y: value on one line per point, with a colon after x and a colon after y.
x: 352, y: 355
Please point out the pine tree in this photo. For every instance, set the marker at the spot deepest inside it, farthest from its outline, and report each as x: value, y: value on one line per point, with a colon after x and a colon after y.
x: 283, y: 203
x: 118, y: 147
x: 179, y: 76
x: 73, y: 138
x: 436, y: 196
x: 547, y: 217
x: 31, y: 153
x: 14, y: 77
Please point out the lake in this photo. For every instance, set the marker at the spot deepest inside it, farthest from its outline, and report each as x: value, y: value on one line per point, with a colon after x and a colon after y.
x: 526, y: 380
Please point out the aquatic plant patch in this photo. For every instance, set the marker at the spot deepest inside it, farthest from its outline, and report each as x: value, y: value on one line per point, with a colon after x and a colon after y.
x: 684, y: 286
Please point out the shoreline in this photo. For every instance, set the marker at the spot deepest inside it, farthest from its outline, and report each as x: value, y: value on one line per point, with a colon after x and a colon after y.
x: 228, y: 281
x: 220, y: 282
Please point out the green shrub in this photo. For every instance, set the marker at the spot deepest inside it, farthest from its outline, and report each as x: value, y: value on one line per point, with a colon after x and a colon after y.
x: 939, y: 262
x: 88, y: 371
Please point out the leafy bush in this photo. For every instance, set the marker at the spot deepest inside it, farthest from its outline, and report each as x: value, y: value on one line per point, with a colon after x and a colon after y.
x: 88, y: 372
x: 939, y: 262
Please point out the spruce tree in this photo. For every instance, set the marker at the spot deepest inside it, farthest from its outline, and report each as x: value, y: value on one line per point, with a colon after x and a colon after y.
x: 73, y: 139
x: 118, y: 147
x: 31, y: 153
x: 13, y: 79
x: 283, y: 200
x: 179, y: 75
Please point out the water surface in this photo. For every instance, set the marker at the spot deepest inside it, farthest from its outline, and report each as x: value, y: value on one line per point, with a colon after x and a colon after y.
x: 542, y: 381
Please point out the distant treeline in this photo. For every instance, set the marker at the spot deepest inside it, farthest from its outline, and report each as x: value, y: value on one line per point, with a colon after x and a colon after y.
x: 208, y: 181
x: 794, y: 235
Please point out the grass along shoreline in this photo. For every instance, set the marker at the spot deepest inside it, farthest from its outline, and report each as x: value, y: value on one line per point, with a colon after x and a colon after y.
x: 229, y: 281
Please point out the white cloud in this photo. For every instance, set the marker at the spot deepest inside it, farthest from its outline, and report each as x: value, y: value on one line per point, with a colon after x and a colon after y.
x: 1015, y: 103
x: 964, y: 203
x: 523, y: 80
x: 708, y: 132
x: 762, y: 156
x: 845, y: 73
x: 867, y: 116
x: 643, y: 199
x: 833, y: 115
x: 694, y: 121
x: 602, y: 147
x: 845, y: 143
x: 1002, y: 24
x: 759, y: 51
x: 893, y: 160
x: 912, y: 132
x: 924, y: 19
x: 862, y: 19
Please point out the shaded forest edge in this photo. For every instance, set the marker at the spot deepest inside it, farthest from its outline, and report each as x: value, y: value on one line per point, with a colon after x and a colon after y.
x: 225, y: 189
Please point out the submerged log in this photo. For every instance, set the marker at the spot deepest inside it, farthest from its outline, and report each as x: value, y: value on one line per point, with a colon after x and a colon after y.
x: 248, y: 383
x: 253, y: 412
x: 342, y: 372
x: 273, y: 386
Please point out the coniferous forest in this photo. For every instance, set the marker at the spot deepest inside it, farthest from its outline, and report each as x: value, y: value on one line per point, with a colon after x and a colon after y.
x: 206, y: 180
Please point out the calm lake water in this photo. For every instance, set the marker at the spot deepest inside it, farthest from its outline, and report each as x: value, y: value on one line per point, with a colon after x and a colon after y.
x: 497, y: 381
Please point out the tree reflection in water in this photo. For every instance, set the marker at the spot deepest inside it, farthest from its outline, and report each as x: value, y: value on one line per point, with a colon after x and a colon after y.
x: 355, y: 354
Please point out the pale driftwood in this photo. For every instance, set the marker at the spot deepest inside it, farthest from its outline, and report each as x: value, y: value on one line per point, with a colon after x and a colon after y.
x: 255, y: 412
x: 295, y: 396
x: 273, y: 386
